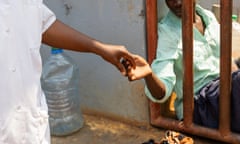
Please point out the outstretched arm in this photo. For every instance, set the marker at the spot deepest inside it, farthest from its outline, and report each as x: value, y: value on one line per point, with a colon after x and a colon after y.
x: 143, y: 70
x: 63, y: 36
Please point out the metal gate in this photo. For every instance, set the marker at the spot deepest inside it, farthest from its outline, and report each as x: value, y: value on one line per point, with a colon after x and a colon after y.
x: 223, y: 133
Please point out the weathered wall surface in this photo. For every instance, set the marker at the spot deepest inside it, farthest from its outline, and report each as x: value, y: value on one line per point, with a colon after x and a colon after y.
x: 103, y: 88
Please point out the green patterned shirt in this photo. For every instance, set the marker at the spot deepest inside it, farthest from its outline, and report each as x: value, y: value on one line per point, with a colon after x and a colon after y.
x: 168, y: 63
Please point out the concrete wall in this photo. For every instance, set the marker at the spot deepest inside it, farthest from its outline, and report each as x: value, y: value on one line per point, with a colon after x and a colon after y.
x: 103, y: 89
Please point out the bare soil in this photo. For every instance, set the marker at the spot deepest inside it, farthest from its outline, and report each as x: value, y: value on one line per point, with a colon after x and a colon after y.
x: 100, y: 130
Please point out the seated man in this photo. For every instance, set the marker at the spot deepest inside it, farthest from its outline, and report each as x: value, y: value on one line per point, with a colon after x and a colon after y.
x: 166, y: 75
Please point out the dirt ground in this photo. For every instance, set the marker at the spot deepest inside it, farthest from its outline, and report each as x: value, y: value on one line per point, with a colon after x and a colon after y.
x: 99, y: 130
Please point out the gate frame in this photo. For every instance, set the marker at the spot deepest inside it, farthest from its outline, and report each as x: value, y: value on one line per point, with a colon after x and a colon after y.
x: 224, y: 133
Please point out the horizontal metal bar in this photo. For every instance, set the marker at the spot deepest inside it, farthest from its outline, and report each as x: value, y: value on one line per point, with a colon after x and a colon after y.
x: 193, y: 129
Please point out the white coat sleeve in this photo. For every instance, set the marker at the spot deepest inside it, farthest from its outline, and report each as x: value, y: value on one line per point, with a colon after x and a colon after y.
x: 48, y: 17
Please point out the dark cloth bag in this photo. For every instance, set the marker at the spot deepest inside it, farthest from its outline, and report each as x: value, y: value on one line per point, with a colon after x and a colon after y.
x: 235, y: 112
x: 206, y: 104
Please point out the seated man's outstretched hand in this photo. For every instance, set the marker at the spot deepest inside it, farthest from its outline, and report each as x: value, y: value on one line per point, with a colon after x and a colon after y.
x: 141, y: 70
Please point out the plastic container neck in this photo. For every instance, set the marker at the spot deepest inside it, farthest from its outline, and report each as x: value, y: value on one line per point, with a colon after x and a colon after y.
x: 56, y: 51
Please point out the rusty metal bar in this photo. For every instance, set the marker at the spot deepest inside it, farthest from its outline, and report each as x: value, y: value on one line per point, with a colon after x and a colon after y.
x: 171, y: 124
x: 151, y: 19
x: 156, y: 117
x: 187, y: 34
x: 225, y: 66
x: 151, y: 23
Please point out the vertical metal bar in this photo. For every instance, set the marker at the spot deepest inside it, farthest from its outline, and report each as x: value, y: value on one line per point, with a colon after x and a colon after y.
x: 151, y: 12
x: 151, y: 25
x: 225, y: 66
x: 187, y: 34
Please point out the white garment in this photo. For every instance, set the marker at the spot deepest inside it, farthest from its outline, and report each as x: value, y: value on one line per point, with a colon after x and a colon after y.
x: 23, y: 109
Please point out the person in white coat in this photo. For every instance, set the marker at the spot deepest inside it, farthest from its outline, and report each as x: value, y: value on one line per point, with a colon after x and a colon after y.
x: 24, y: 25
